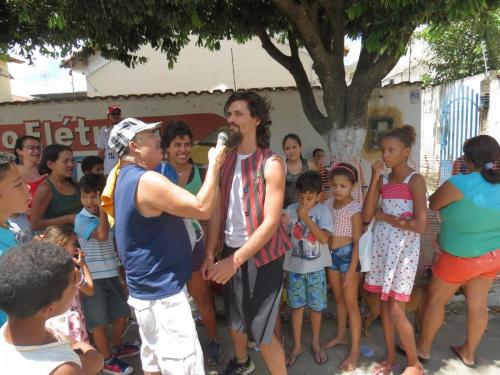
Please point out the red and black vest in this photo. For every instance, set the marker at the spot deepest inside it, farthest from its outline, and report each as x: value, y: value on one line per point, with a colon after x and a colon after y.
x: 254, y: 195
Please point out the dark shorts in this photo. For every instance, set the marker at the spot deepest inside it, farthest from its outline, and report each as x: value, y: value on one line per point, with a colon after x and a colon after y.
x: 341, y: 259
x: 198, y: 255
x: 106, y: 305
x: 252, y: 298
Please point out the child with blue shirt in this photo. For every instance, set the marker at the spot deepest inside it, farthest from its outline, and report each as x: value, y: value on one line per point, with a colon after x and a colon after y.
x: 108, y: 304
x: 310, y: 224
x: 13, y: 200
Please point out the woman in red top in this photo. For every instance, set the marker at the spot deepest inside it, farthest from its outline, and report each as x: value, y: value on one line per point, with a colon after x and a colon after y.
x: 28, y: 150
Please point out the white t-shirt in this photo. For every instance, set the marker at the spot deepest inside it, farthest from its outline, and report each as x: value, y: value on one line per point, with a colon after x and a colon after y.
x: 307, y: 254
x: 35, y: 359
x: 235, y: 232
x: 110, y: 157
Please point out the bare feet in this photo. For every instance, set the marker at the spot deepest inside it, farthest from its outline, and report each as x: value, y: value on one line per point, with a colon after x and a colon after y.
x: 350, y: 363
x: 334, y: 342
x: 414, y: 370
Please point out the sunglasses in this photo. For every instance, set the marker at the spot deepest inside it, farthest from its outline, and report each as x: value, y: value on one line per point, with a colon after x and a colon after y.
x: 116, y: 113
x: 33, y: 148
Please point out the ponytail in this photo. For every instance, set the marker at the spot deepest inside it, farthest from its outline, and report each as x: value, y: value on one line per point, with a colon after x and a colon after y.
x: 484, y: 151
x: 490, y: 174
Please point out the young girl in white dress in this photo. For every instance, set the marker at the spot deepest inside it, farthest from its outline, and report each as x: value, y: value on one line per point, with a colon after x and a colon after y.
x: 396, y: 246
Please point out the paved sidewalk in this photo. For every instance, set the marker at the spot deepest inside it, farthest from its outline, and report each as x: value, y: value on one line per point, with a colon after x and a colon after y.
x: 444, y: 362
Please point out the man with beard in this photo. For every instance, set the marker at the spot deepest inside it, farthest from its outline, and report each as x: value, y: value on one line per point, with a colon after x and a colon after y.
x: 247, y: 219
x: 104, y: 151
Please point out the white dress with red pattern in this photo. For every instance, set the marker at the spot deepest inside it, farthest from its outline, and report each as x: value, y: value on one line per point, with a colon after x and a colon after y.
x: 395, y: 251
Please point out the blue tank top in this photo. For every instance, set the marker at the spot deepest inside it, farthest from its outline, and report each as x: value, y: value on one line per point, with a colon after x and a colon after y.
x: 155, y: 251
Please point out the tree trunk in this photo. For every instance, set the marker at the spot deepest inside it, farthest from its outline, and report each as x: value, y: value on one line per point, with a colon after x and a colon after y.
x: 345, y: 144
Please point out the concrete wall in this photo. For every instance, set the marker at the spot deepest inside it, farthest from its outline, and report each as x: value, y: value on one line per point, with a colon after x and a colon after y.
x: 77, y: 122
x: 491, y: 118
x: 5, y: 93
x: 253, y: 67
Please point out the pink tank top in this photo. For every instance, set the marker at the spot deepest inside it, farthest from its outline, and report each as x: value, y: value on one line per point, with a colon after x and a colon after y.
x: 342, y: 217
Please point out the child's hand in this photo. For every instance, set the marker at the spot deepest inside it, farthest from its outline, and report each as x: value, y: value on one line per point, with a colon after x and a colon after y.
x: 285, y: 220
x: 377, y: 169
x: 79, y: 258
x: 379, y: 214
x: 302, y: 212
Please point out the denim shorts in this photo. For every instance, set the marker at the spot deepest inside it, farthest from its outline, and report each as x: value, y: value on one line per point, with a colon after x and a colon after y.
x: 306, y: 289
x: 107, y: 304
x: 341, y: 259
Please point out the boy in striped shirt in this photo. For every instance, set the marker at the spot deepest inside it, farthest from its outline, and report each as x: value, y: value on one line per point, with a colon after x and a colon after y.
x: 108, y: 304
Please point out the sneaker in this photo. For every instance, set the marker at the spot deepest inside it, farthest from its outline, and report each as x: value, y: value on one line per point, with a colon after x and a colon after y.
x: 214, y: 352
x: 116, y: 367
x: 235, y: 368
x: 126, y: 350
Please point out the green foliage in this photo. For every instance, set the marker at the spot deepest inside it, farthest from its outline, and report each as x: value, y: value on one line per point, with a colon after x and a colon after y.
x: 457, y: 48
x: 119, y: 28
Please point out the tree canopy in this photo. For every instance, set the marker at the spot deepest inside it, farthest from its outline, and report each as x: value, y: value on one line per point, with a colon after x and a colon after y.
x: 120, y: 27
x: 463, y: 48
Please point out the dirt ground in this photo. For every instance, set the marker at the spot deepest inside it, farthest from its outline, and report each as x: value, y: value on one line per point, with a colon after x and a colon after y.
x: 443, y: 361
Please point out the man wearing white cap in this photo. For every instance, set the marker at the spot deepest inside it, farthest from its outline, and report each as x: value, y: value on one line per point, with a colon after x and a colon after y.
x: 154, y: 246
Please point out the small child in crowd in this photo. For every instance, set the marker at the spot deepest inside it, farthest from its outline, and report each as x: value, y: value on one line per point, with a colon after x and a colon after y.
x: 108, y: 304
x: 396, y: 242
x: 344, y: 275
x: 311, y: 224
x: 93, y: 164
x: 38, y: 281
x: 14, y: 199
x: 72, y: 322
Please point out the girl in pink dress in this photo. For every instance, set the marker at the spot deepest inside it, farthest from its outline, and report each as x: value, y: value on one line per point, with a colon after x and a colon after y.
x: 72, y: 322
x: 396, y: 246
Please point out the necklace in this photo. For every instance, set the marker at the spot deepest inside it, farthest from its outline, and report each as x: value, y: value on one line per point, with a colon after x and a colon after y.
x: 181, y: 173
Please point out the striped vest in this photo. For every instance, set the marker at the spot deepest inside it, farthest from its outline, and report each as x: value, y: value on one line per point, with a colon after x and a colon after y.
x: 254, y: 194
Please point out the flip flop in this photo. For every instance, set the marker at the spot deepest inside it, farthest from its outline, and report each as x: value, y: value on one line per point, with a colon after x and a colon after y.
x: 320, y: 357
x: 401, y: 351
x: 382, y: 370
x: 455, y: 349
x: 292, y: 358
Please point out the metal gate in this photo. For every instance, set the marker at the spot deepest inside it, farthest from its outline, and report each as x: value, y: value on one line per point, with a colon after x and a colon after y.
x: 459, y: 120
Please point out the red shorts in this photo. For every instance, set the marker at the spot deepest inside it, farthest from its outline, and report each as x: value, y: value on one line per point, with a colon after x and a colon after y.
x: 457, y: 270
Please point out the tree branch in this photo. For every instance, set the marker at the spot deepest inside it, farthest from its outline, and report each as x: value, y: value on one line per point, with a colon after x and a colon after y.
x: 297, y: 15
x: 294, y: 66
x: 335, y: 12
x: 269, y: 46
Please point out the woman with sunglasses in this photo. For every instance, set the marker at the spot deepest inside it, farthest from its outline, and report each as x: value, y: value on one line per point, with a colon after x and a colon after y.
x: 28, y: 150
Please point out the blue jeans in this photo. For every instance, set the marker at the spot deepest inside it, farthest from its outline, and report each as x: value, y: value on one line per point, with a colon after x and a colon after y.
x: 341, y: 259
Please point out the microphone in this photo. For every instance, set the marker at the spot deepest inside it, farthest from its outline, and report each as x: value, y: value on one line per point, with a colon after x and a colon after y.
x: 221, y: 140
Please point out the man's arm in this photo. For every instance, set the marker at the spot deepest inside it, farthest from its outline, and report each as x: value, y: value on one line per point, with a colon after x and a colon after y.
x: 274, y: 174
x: 156, y: 194
x: 214, y: 224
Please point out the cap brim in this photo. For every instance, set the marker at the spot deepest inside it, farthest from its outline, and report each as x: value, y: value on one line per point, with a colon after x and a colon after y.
x: 149, y: 126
